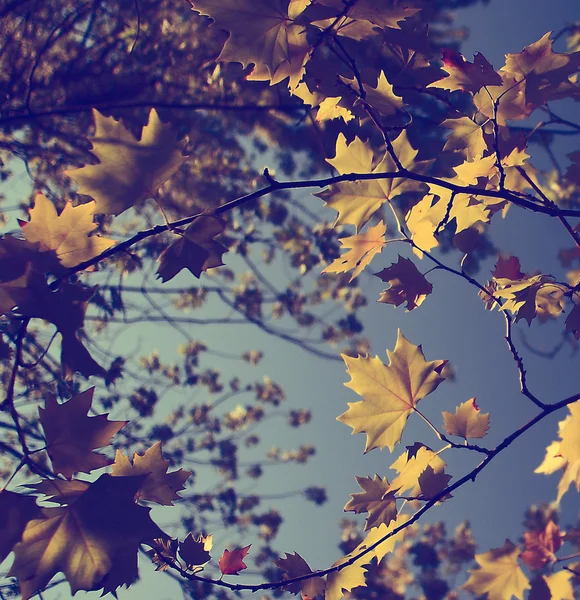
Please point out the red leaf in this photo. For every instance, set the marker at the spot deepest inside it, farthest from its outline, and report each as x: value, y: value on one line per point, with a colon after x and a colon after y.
x: 231, y: 563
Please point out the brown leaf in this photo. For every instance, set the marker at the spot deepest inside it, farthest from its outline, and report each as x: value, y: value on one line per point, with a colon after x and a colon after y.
x: 16, y: 511
x: 463, y: 75
x: 541, y: 546
x: 196, y: 249
x: 407, y: 283
x: 93, y: 541
x: 374, y: 499
x: 195, y: 551
x: 71, y: 435
x: 159, y: 486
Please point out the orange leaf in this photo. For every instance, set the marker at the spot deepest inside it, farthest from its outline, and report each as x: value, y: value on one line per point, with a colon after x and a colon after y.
x: 231, y: 562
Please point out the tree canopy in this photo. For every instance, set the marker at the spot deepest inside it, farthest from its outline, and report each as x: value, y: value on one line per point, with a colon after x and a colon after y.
x: 167, y: 172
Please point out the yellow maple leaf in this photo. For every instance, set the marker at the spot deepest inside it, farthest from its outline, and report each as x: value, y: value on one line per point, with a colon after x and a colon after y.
x: 346, y: 579
x: 374, y: 499
x: 467, y: 422
x: 411, y: 465
x: 67, y: 234
x: 363, y: 248
x: 499, y: 575
x: 377, y: 533
x: 466, y: 136
x: 380, y: 97
x: 390, y: 393
x: 422, y: 222
x: 565, y: 453
x: 557, y: 586
x: 129, y: 170
x: 329, y: 109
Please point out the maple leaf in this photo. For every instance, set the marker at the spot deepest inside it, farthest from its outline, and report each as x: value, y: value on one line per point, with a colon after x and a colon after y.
x: 195, y: 551
x: 129, y: 170
x: 85, y: 539
x: 390, y: 393
x: 329, y: 109
x: 377, y: 533
x: 380, y: 97
x: 565, y: 453
x: 347, y: 578
x: 508, y: 267
x: 363, y: 248
x: 367, y: 14
x: 417, y: 461
x: 510, y: 95
x: 67, y: 234
x: 196, y: 249
x: 540, y: 546
x: 557, y: 586
x: 466, y: 76
x: 261, y: 32
x: 294, y: 565
x: 467, y: 422
x: 422, y: 222
x: 499, y: 574
x: 546, y: 73
x: 159, y: 486
x: 466, y: 136
x: 232, y: 562
x: 375, y: 500
x: 71, y: 435
x: 62, y: 491
x: 407, y: 284
x: 16, y: 511
x: 538, y: 295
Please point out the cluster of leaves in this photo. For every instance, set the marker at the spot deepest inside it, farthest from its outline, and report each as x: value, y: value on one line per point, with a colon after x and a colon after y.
x: 426, y: 147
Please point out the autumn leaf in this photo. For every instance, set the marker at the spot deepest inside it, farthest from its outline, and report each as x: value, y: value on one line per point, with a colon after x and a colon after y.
x: 418, y: 461
x: 129, y: 170
x: 363, y: 248
x: 540, y: 546
x: 565, y: 453
x: 508, y: 267
x: 466, y: 76
x: 67, y: 234
x: 232, y: 561
x: 85, y: 539
x: 380, y: 97
x: 546, y: 73
x: 196, y: 249
x: 375, y: 500
x: 347, y: 578
x: 16, y: 511
x: 407, y: 284
x: 535, y: 296
x: 62, y: 491
x: 329, y: 109
x: 378, y: 533
x: 194, y: 551
x: 466, y: 136
x: 159, y: 486
x: 467, y: 422
x: 499, y: 575
x: 557, y: 586
x: 71, y: 435
x: 294, y: 565
x: 390, y: 393
x: 261, y: 33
